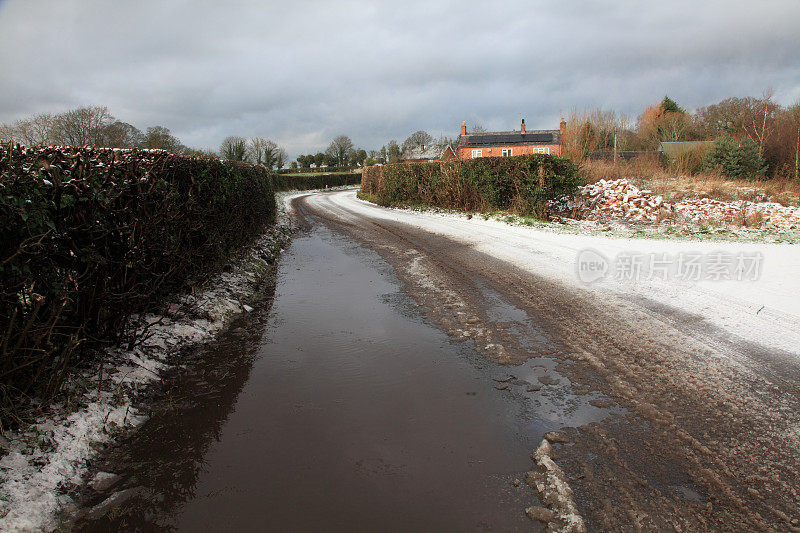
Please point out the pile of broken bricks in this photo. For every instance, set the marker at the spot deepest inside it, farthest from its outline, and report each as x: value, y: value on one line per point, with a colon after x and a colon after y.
x: 770, y: 213
x: 617, y: 199
x: 621, y: 200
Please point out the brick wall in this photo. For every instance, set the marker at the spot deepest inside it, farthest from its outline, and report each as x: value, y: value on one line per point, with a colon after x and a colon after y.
x: 497, y: 151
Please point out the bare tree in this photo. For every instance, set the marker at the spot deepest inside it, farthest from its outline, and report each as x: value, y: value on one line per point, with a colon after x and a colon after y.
x: 6, y: 133
x: 83, y: 126
x: 233, y: 148
x: 726, y: 116
x: 340, y: 149
x: 36, y: 131
x: 756, y: 123
x: 161, y: 138
x: 256, y: 147
x: 674, y: 126
x: 122, y: 135
x: 265, y: 152
x: 280, y: 158
x: 595, y: 129
x: 417, y: 138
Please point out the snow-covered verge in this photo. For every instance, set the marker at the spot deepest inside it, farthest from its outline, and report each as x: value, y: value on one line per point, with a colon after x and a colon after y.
x: 43, y: 462
x: 761, y: 307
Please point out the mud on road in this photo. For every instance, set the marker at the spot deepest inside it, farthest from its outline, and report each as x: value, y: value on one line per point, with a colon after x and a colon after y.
x: 704, y: 431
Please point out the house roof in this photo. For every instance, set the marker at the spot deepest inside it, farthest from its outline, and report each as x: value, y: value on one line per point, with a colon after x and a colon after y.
x: 424, y: 152
x: 677, y: 149
x: 511, y: 138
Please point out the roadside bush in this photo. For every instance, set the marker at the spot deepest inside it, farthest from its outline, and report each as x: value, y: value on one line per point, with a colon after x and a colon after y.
x: 522, y: 184
x: 736, y: 159
x: 89, y: 237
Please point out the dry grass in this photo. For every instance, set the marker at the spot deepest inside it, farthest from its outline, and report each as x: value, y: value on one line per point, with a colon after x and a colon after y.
x: 647, y: 173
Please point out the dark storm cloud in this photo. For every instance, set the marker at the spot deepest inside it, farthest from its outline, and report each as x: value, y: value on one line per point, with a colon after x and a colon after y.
x: 301, y: 72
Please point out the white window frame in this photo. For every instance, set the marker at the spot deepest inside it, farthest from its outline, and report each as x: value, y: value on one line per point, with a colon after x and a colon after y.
x: 477, y: 153
x: 541, y: 150
x: 507, y: 152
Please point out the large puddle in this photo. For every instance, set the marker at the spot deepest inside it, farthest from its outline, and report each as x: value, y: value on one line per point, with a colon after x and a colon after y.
x: 340, y: 410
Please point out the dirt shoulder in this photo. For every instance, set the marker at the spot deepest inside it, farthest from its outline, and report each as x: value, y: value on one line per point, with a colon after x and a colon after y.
x: 709, y: 432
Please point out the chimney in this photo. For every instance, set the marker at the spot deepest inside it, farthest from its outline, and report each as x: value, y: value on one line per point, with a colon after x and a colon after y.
x: 464, y: 128
x: 523, y: 125
x: 563, y: 127
x: 421, y: 147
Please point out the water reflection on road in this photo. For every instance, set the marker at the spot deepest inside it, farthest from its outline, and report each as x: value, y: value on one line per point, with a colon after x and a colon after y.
x: 340, y: 409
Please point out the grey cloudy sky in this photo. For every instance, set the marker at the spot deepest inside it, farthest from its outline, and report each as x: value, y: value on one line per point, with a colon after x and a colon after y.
x: 301, y: 72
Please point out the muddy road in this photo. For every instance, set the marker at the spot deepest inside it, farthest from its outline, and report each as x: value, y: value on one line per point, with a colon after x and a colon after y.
x: 335, y: 406
x: 703, y: 430
x: 409, y: 365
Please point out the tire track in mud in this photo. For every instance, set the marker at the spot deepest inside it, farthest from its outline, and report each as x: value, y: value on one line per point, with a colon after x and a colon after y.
x: 712, y: 435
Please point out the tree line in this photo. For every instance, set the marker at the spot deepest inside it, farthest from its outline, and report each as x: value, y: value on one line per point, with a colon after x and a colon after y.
x: 256, y: 150
x: 96, y: 126
x: 754, y: 134
x: 90, y: 126
x: 341, y: 152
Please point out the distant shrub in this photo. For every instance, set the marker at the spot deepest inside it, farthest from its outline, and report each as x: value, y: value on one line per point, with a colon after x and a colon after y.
x: 522, y: 184
x: 309, y: 170
x: 285, y: 182
x: 736, y: 159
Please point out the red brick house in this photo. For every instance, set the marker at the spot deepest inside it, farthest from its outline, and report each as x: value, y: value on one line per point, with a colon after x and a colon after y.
x: 510, y: 143
x: 428, y: 153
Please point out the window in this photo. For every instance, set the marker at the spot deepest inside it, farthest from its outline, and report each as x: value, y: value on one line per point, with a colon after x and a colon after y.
x: 541, y: 150
x: 477, y: 153
x: 506, y: 152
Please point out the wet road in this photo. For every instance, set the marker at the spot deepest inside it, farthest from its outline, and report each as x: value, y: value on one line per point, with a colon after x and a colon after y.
x: 401, y: 379
x: 341, y: 408
x: 359, y: 415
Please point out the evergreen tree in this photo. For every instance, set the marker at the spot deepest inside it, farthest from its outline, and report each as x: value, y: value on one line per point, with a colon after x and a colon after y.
x: 670, y: 106
x: 736, y: 159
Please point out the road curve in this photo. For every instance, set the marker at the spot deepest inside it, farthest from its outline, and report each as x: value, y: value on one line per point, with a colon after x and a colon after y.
x: 705, y: 375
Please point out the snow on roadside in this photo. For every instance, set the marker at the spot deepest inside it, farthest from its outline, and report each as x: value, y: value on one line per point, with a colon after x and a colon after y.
x: 48, y: 458
x: 765, y: 310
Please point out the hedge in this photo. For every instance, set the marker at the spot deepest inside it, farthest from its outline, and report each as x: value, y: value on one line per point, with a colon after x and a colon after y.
x: 316, y: 181
x: 320, y: 170
x: 90, y: 236
x: 522, y: 184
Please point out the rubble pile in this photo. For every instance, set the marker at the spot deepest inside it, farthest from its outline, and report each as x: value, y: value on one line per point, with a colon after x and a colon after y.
x: 618, y: 199
x: 775, y: 214
x: 706, y: 210
x: 621, y: 200
x: 750, y: 213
